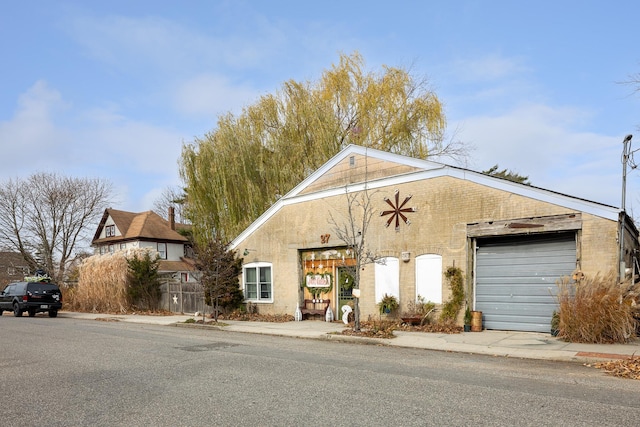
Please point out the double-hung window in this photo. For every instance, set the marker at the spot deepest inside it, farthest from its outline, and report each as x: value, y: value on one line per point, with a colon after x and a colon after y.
x: 162, y: 250
x: 258, y: 282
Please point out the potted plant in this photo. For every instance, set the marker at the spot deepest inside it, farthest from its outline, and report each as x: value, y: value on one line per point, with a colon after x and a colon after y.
x: 388, y: 304
x: 467, y: 319
x: 555, y: 323
x: 417, y: 312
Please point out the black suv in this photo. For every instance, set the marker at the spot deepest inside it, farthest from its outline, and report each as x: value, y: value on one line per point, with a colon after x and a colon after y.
x: 32, y: 297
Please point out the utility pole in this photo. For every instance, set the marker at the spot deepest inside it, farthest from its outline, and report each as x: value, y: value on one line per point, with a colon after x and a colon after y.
x: 626, y: 154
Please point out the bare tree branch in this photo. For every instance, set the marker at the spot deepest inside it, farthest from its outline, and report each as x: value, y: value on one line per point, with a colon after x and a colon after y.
x: 352, y: 230
x: 47, y: 216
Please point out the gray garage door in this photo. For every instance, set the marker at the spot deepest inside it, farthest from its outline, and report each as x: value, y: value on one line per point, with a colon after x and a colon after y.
x: 516, y: 280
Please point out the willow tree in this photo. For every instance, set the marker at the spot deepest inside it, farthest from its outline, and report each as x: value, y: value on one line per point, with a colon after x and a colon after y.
x: 235, y: 172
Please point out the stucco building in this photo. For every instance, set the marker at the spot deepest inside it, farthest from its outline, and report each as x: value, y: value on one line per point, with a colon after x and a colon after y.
x: 512, y: 241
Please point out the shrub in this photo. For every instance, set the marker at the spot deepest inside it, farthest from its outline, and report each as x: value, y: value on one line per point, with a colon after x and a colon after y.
x: 451, y: 308
x: 143, y: 285
x: 419, y: 307
x: 597, y: 310
x: 467, y: 315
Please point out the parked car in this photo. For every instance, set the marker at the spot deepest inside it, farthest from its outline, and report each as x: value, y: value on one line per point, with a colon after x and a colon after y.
x: 32, y: 297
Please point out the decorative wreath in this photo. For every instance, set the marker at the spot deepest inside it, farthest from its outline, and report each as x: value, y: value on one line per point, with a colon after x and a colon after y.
x: 346, y: 281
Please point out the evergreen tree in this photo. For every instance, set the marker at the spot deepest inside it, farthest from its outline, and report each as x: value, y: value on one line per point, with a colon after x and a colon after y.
x: 507, y: 174
x: 143, y: 282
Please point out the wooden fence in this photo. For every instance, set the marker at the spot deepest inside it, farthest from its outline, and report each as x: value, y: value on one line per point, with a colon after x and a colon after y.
x: 180, y: 297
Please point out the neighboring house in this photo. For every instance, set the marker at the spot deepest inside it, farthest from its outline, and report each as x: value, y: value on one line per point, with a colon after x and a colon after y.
x: 13, y: 268
x: 120, y: 230
x: 512, y: 241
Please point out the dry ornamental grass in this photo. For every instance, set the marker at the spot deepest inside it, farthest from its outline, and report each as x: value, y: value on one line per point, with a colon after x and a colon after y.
x: 102, y: 284
x: 597, y: 310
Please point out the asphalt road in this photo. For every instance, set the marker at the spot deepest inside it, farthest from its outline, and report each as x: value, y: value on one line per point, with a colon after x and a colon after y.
x: 70, y: 372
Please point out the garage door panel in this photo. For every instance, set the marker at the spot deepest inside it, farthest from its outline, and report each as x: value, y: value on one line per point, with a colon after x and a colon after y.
x: 505, y: 260
x: 517, y: 324
x: 516, y: 280
x: 519, y: 284
x: 516, y: 299
x: 524, y: 308
x: 510, y: 292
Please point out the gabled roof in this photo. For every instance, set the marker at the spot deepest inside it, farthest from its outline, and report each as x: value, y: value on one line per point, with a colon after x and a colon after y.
x: 382, y: 169
x: 138, y: 226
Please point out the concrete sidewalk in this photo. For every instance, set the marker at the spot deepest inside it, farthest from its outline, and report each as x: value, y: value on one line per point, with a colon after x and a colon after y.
x: 525, y: 345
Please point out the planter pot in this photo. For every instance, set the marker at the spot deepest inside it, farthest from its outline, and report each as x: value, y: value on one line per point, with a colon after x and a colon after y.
x: 467, y: 328
x: 554, y: 332
x: 412, y: 320
x: 476, y: 321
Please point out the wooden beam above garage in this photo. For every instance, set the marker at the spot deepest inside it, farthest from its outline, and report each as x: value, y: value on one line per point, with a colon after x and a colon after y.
x: 543, y: 224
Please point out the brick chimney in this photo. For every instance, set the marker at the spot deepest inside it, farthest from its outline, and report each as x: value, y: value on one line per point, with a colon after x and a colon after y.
x: 172, y: 217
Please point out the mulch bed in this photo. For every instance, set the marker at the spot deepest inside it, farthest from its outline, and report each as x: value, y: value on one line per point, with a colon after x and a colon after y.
x: 385, y: 328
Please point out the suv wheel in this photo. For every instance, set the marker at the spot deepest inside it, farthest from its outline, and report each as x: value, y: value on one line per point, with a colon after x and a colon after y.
x: 16, y: 310
x: 53, y: 313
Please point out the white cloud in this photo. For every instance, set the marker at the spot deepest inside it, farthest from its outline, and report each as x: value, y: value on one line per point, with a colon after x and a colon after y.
x: 211, y: 95
x: 30, y: 138
x: 487, y: 68
x: 137, y: 157
x: 130, y: 42
x: 539, y: 141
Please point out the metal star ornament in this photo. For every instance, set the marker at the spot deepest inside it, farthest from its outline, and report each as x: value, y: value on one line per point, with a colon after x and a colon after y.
x: 398, y: 210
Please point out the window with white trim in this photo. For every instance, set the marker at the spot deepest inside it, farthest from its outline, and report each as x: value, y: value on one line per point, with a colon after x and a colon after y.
x: 110, y: 230
x: 162, y: 250
x: 257, y: 282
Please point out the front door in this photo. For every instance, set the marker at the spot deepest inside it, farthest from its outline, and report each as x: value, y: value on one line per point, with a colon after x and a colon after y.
x: 344, y: 287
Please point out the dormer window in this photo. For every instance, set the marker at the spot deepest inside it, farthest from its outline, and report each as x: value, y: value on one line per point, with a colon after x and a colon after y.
x: 110, y: 230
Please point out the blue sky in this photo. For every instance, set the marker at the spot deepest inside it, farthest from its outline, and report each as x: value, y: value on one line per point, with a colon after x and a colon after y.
x: 114, y: 89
